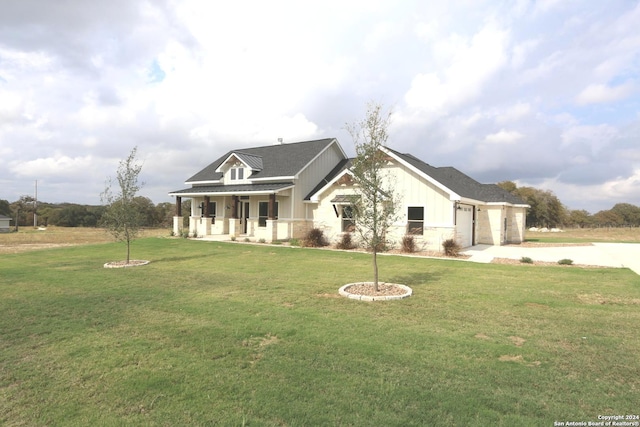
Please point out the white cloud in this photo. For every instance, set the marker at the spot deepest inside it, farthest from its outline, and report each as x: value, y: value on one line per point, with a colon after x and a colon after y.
x: 601, y: 196
x: 544, y: 6
x: 11, y: 106
x: 513, y: 113
x: 593, y: 138
x: 503, y: 137
x: 600, y: 93
x: 59, y: 165
x: 469, y: 65
x: 521, y: 51
x: 623, y: 189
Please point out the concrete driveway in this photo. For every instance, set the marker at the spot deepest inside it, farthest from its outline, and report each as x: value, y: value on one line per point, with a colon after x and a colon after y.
x: 621, y: 255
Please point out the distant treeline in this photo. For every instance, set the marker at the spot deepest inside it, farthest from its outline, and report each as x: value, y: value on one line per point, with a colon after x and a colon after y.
x: 547, y: 211
x: 77, y: 215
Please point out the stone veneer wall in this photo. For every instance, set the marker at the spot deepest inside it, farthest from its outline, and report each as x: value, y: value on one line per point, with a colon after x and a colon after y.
x: 489, y: 225
x: 300, y: 228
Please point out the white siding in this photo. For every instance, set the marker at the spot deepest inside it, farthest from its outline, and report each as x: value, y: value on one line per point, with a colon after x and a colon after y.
x: 414, y: 190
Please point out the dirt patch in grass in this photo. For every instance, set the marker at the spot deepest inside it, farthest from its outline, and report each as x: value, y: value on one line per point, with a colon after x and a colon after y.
x: 30, y: 239
x: 518, y: 341
x: 26, y: 247
x: 536, y: 305
x: 510, y: 358
x: 329, y: 296
x: 597, y: 299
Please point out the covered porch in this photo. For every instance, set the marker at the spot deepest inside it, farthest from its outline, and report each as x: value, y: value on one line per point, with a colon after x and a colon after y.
x: 257, y: 211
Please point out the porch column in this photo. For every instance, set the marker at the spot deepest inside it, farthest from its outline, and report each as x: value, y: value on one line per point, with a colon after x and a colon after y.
x: 177, y: 218
x: 205, y: 211
x: 272, y: 206
x: 178, y: 206
x: 234, y: 224
x: 234, y: 207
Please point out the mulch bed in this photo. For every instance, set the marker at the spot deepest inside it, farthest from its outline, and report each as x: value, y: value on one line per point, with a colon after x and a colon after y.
x: 123, y: 264
x: 367, y: 289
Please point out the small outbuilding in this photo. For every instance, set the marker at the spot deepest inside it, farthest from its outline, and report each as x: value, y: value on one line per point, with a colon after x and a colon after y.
x: 5, y: 224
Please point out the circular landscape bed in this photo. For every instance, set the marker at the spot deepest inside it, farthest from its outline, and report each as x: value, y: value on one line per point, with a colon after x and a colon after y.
x: 364, y: 291
x: 123, y: 264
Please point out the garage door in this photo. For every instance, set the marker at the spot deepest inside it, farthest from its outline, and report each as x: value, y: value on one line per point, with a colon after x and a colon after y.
x: 464, y: 225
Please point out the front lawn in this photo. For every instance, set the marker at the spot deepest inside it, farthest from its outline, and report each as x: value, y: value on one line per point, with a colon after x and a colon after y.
x: 231, y: 334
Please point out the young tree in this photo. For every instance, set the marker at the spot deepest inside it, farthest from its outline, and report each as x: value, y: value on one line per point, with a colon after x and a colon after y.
x: 121, y: 216
x: 375, y: 204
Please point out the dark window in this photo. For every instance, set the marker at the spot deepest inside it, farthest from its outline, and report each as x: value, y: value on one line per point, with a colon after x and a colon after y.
x: 240, y: 173
x: 263, y: 213
x: 415, y: 217
x: 212, y: 212
x: 348, y: 224
x: 233, y: 174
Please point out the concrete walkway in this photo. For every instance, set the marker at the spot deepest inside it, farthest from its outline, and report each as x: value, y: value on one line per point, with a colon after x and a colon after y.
x: 621, y: 255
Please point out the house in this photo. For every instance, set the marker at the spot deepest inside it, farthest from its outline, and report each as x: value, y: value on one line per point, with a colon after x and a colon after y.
x: 5, y: 222
x: 281, y: 191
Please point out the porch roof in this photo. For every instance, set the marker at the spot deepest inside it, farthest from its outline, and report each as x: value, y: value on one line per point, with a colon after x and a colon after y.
x: 345, y: 199
x: 230, y: 190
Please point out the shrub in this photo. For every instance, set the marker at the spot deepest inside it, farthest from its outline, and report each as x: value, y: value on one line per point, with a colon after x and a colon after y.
x: 408, y: 244
x: 565, y: 261
x: 345, y: 242
x: 294, y: 242
x: 233, y: 238
x: 451, y: 247
x: 315, y: 238
x: 526, y: 260
x: 262, y: 241
x: 246, y: 240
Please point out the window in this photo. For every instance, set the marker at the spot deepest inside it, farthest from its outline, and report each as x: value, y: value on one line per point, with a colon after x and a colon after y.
x: 348, y: 224
x: 212, y: 212
x: 415, y: 217
x: 263, y: 213
x: 237, y: 174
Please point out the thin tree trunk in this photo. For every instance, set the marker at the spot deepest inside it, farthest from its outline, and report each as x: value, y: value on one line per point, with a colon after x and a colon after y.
x: 375, y: 269
x: 128, y: 244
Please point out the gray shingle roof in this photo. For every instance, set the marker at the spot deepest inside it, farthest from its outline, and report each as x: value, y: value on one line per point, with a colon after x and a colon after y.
x: 277, y: 160
x: 462, y: 184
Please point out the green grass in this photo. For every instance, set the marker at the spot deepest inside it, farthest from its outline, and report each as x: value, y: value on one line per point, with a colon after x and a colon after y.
x: 231, y: 334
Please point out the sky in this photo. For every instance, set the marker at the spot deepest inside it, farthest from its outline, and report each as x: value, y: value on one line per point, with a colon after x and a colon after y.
x: 543, y: 93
